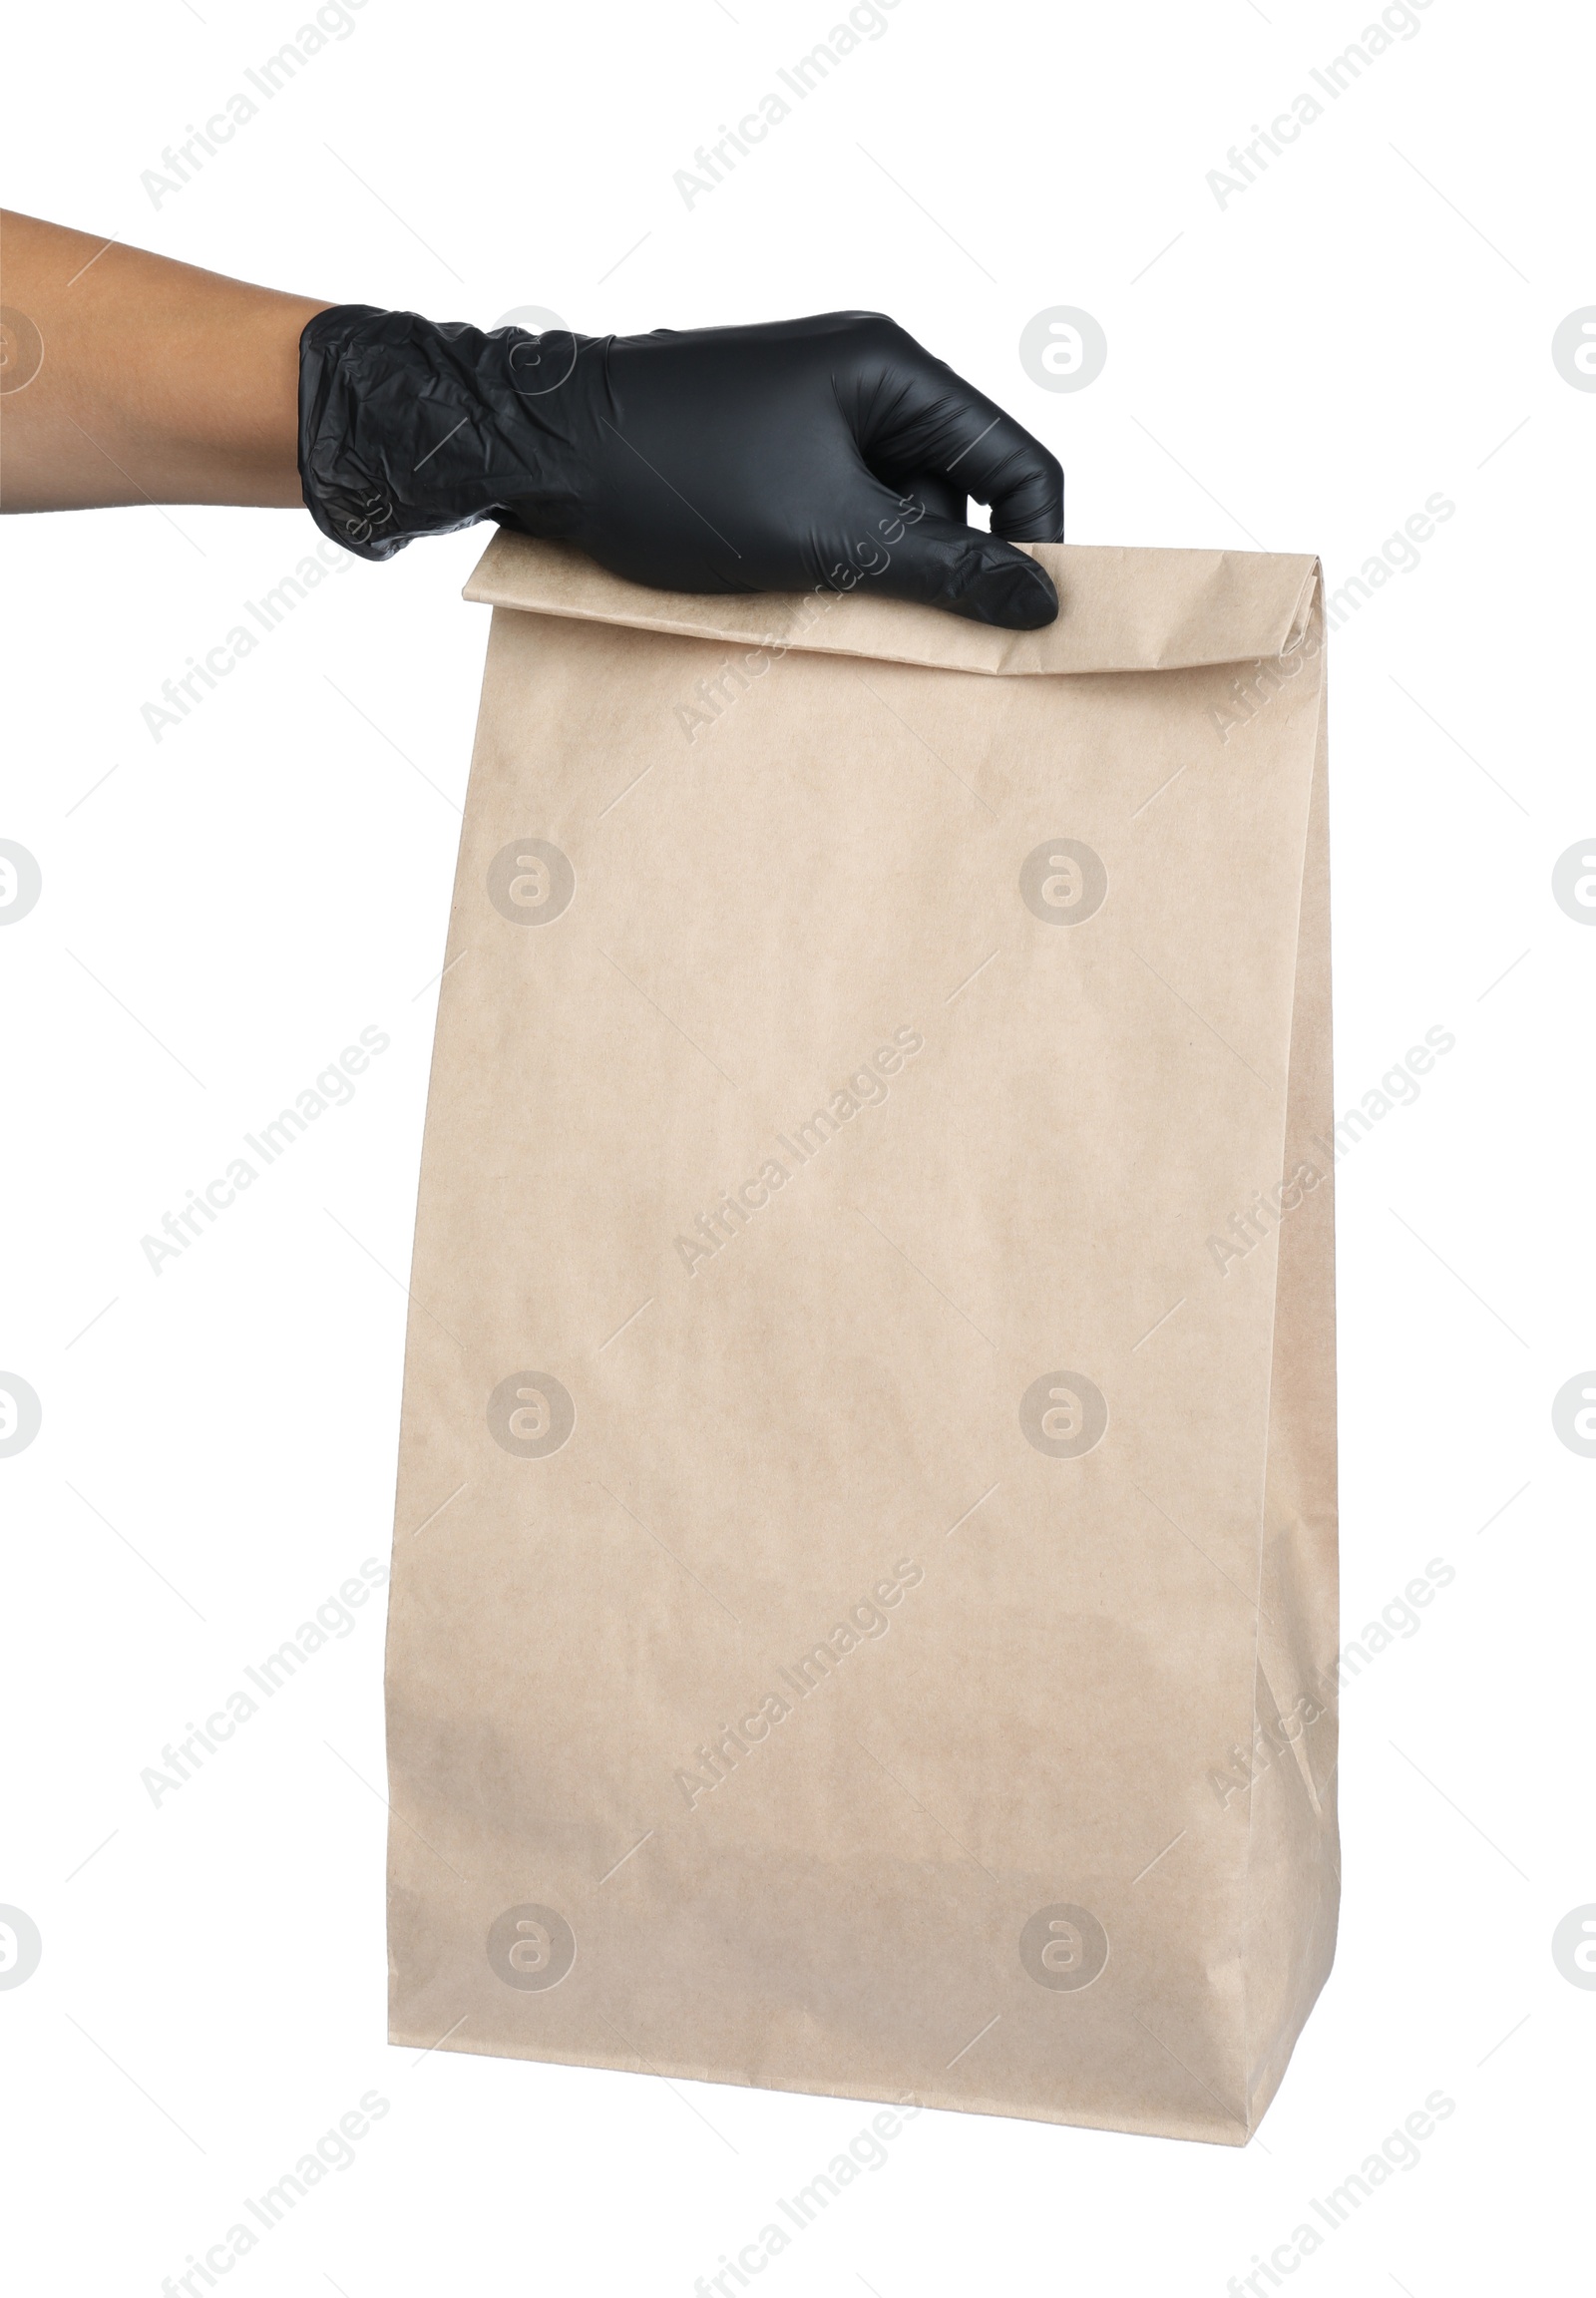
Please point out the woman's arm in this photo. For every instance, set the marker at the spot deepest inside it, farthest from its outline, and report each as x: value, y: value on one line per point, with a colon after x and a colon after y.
x: 778, y: 457
x: 132, y: 379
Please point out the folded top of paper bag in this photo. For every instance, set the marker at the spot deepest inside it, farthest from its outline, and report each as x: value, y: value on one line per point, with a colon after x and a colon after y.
x: 1119, y: 610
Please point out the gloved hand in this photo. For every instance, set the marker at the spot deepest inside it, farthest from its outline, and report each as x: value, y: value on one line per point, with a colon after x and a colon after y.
x: 803, y: 453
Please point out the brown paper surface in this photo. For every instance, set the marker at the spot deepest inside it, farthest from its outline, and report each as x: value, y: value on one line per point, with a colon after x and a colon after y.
x: 864, y: 1612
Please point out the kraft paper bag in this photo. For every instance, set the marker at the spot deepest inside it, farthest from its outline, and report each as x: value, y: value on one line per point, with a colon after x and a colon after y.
x: 863, y: 1611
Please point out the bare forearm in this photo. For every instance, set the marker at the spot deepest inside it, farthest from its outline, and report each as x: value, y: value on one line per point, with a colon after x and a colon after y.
x: 154, y: 382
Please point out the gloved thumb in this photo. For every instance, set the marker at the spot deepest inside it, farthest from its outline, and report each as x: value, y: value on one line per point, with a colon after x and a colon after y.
x: 941, y: 563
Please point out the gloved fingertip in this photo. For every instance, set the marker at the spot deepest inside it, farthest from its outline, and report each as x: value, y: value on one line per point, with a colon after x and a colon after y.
x: 1009, y: 590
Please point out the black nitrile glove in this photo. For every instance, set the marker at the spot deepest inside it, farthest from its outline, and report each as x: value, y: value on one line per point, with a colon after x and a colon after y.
x: 804, y: 453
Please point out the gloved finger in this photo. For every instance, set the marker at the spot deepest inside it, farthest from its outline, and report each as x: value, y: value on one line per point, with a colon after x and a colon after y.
x: 917, y: 415
x: 940, y: 562
x: 943, y: 497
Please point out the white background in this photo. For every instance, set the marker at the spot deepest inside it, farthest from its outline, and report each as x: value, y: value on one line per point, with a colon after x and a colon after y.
x: 1367, y: 324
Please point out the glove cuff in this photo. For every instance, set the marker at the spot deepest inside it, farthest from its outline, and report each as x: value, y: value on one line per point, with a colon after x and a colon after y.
x: 411, y: 426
